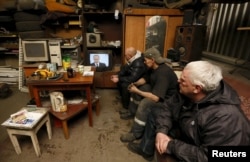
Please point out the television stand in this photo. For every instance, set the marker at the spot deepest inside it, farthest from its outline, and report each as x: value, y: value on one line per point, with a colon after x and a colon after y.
x: 102, y: 79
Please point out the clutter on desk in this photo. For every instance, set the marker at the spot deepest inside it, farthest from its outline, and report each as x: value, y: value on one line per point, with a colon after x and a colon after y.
x: 46, y: 72
x: 80, y: 69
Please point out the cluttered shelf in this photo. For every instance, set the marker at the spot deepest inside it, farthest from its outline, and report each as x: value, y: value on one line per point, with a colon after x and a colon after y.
x: 9, y: 43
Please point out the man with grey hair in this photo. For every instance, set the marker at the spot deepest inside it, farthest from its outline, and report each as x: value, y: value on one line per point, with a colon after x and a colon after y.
x: 206, y: 112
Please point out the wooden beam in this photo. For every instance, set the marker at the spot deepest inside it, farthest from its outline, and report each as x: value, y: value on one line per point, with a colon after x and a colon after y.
x: 150, y: 12
x: 243, y: 28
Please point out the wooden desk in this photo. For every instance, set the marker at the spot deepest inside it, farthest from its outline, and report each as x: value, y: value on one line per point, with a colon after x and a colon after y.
x: 78, y: 82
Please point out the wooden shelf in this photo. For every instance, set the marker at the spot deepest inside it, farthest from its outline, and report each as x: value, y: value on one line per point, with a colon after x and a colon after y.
x: 99, y: 12
x: 9, y: 44
x: 150, y: 12
x: 243, y: 28
x: 8, y: 36
x: 111, y: 29
x: 11, y: 53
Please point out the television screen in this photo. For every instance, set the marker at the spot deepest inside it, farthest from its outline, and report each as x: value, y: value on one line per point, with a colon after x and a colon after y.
x: 101, y: 59
x: 35, y: 50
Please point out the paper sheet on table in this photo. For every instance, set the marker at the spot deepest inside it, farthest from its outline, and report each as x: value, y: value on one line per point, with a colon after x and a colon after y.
x: 88, y: 73
x: 87, y: 68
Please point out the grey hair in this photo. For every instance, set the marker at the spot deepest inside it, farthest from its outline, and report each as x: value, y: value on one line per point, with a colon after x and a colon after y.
x: 204, y: 74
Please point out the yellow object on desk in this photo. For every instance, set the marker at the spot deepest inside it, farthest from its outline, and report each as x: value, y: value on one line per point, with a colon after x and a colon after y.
x: 66, y: 61
x: 44, y: 73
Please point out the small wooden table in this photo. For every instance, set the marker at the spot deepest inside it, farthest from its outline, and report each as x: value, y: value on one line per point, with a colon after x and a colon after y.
x: 78, y: 82
x: 72, y: 110
x: 38, y: 117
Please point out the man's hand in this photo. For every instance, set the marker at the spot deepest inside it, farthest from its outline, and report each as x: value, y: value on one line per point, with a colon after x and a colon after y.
x: 139, y: 82
x: 114, y: 78
x: 161, y: 142
x: 132, y: 88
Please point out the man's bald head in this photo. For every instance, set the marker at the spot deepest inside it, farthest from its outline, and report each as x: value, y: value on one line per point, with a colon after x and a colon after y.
x: 130, y: 52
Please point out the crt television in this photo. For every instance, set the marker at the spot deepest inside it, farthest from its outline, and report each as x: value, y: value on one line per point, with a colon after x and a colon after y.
x: 35, y: 50
x: 105, y: 57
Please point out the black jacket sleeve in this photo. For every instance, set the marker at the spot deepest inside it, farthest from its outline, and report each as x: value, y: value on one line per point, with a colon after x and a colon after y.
x: 165, y: 119
x: 168, y: 113
x: 133, y: 72
x: 214, y: 125
x: 186, y: 152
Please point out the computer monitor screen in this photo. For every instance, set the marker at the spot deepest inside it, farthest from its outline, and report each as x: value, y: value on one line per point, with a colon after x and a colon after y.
x: 35, y: 50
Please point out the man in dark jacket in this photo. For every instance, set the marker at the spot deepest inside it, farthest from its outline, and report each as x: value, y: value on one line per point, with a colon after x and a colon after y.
x: 129, y: 73
x: 162, y: 83
x: 206, y: 112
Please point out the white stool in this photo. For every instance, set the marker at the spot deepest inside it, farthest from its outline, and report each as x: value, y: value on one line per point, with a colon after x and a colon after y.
x: 29, y: 130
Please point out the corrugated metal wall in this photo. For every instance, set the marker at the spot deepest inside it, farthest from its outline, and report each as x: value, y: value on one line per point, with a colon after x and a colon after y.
x: 223, y: 37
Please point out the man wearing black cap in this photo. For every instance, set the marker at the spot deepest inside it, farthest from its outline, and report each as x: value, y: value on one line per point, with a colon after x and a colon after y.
x: 163, y: 83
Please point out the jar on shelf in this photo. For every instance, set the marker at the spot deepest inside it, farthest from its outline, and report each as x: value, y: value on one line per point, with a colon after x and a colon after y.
x: 66, y: 62
x: 80, y: 69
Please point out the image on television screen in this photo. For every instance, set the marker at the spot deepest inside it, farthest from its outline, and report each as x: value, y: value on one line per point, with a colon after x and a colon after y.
x: 100, y: 58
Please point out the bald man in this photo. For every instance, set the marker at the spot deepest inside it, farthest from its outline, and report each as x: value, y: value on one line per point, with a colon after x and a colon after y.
x: 129, y: 73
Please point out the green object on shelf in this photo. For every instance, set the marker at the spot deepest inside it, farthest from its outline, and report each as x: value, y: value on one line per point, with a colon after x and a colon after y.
x: 66, y: 61
x: 67, y: 58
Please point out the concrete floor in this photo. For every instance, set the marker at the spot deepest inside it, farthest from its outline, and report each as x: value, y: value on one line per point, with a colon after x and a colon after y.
x: 11, y: 105
x: 99, y: 143
x: 86, y: 144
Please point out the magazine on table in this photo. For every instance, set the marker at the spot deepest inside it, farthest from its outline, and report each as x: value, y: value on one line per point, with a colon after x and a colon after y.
x: 26, y: 117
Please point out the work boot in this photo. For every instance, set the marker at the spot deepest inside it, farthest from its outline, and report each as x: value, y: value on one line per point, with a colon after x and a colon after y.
x: 123, y: 111
x: 135, y: 148
x: 127, y: 116
x: 118, y: 97
x: 129, y: 137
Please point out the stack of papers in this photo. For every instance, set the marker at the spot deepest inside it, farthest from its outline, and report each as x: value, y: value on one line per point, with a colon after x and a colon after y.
x: 24, y: 117
x: 18, y: 117
x: 87, y: 68
x: 88, y: 73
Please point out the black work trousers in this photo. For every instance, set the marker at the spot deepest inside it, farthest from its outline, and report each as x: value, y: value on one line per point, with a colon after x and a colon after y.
x: 135, y: 99
x: 147, y: 143
x: 148, y: 140
x: 124, y: 93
